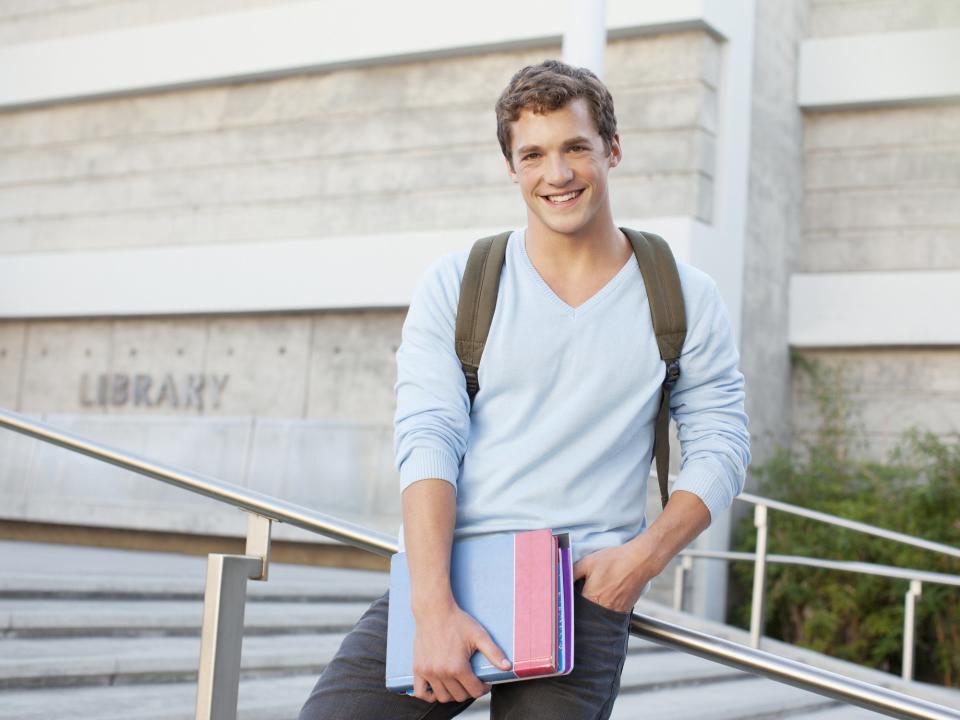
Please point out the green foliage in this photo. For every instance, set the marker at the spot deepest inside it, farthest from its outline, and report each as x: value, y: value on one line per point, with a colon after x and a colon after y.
x: 846, y: 615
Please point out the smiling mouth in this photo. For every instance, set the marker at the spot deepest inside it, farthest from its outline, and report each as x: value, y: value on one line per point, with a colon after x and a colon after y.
x: 564, y: 199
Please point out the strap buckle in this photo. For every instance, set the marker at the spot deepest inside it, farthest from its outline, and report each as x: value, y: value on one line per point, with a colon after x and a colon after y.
x: 473, y: 382
x: 672, y: 374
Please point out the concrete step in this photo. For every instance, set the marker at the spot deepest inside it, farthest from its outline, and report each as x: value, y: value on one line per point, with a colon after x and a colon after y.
x: 263, y: 698
x: 741, y: 700
x: 281, y: 697
x: 330, y: 584
x: 38, y: 570
x: 22, y: 618
x: 114, y: 661
x: 116, y: 636
x: 646, y: 671
x: 52, y: 662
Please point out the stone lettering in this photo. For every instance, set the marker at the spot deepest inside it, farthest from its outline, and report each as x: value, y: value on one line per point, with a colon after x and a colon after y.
x: 193, y: 390
x: 219, y: 382
x: 141, y: 390
x: 102, y: 390
x: 168, y: 392
x: 85, y: 399
x: 120, y: 389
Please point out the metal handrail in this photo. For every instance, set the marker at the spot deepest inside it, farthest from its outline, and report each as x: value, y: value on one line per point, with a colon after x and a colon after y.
x: 850, y: 524
x: 861, y: 568
x: 262, y: 506
x: 241, y: 497
x: 760, y: 559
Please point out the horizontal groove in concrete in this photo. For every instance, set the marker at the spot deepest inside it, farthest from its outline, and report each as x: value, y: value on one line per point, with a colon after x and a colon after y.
x: 79, y: 587
x: 281, y: 697
x: 57, y: 662
x: 88, y: 618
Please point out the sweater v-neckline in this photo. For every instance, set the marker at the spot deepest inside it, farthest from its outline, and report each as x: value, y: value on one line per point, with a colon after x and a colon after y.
x: 587, y: 304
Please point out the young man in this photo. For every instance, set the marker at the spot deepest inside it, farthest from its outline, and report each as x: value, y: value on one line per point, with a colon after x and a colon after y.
x: 560, y: 434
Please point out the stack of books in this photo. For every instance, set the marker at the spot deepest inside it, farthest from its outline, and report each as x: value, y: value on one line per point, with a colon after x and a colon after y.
x: 518, y: 586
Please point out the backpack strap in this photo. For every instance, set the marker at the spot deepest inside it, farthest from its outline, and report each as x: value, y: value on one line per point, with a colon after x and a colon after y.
x: 662, y: 281
x: 478, y: 300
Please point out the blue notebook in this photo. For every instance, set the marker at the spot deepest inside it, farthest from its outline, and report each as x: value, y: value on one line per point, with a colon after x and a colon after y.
x: 519, y: 586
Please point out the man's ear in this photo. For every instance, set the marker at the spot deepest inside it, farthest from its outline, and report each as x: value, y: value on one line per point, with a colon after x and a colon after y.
x: 616, y: 152
x: 510, y: 171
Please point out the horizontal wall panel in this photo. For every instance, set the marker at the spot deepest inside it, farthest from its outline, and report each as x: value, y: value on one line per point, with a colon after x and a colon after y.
x: 334, y: 272
x: 349, y: 271
x: 881, y: 249
x: 296, y: 37
x: 863, y: 309
x: 879, y: 69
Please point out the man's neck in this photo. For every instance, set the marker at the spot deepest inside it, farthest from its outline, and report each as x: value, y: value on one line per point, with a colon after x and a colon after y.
x: 592, y: 249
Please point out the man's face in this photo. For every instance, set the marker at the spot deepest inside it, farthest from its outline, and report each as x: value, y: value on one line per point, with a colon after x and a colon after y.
x: 561, y: 165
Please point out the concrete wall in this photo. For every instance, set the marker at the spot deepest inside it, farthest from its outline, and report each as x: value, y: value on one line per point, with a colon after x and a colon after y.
x: 882, y: 189
x: 298, y: 404
x: 24, y: 21
x: 888, y: 392
x: 830, y: 18
x: 396, y: 147
x: 881, y: 193
x: 337, y: 367
x: 773, y: 229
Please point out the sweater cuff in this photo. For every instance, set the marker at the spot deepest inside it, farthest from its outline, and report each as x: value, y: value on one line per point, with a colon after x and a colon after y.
x: 707, y: 484
x: 424, y: 463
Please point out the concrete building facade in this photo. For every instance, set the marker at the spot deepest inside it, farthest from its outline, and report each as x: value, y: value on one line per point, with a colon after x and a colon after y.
x: 212, y: 216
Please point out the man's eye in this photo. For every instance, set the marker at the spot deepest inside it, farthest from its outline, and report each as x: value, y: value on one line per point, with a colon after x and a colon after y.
x: 577, y: 148
x: 530, y: 156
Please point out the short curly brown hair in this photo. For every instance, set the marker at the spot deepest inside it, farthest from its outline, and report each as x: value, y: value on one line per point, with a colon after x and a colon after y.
x: 550, y: 86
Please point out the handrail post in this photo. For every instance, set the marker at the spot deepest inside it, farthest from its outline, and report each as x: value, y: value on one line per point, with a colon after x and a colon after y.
x: 258, y: 542
x: 221, y: 640
x: 680, y: 580
x: 909, y: 627
x: 759, y: 576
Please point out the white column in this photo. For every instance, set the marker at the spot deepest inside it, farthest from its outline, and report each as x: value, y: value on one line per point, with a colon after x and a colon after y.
x: 585, y: 37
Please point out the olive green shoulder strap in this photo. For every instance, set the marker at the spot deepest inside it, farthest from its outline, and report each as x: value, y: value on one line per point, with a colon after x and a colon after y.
x: 662, y: 282
x: 478, y: 300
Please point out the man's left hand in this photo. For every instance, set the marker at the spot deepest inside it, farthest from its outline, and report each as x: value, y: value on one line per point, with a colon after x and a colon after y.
x: 615, y: 576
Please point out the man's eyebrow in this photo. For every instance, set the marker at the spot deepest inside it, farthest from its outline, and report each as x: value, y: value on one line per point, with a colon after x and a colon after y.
x: 579, y: 140
x: 527, y: 148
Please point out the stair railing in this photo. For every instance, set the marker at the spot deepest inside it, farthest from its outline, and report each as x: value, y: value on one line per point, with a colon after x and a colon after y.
x: 225, y: 593
x: 761, y: 558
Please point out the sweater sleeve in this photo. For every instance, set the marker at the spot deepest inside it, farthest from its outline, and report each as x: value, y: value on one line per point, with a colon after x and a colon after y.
x: 432, y: 420
x: 708, y: 401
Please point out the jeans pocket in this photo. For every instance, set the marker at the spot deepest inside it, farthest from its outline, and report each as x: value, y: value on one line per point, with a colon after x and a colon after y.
x: 596, y: 607
x: 604, y: 609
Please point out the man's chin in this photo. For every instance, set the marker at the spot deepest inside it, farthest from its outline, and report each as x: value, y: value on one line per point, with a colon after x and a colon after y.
x: 563, y: 226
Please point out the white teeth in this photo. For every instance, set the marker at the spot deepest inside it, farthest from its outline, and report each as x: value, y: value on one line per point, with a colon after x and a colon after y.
x: 564, y: 198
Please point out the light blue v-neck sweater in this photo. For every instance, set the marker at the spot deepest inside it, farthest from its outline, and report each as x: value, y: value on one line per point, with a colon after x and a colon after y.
x: 561, y: 433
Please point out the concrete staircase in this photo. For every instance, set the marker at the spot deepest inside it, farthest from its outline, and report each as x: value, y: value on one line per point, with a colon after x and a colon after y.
x: 104, y: 634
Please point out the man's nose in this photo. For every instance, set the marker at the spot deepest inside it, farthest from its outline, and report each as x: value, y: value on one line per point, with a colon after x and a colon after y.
x: 558, y: 171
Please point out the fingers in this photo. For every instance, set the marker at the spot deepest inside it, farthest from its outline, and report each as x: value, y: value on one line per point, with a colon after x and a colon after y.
x: 422, y: 690
x: 492, y: 652
x: 579, y: 569
x: 456, y: 690
x: 472, y: 685
x: 449, y: 689
x: 454, y: 685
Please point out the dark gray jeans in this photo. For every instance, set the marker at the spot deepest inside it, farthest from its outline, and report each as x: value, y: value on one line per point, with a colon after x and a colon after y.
x: 352, y: 685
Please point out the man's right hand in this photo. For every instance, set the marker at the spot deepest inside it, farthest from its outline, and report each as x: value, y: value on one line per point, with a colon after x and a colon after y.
x: 443, y: 644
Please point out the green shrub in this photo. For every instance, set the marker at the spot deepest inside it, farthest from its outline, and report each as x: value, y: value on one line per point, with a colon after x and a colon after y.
x: 846, y: 615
